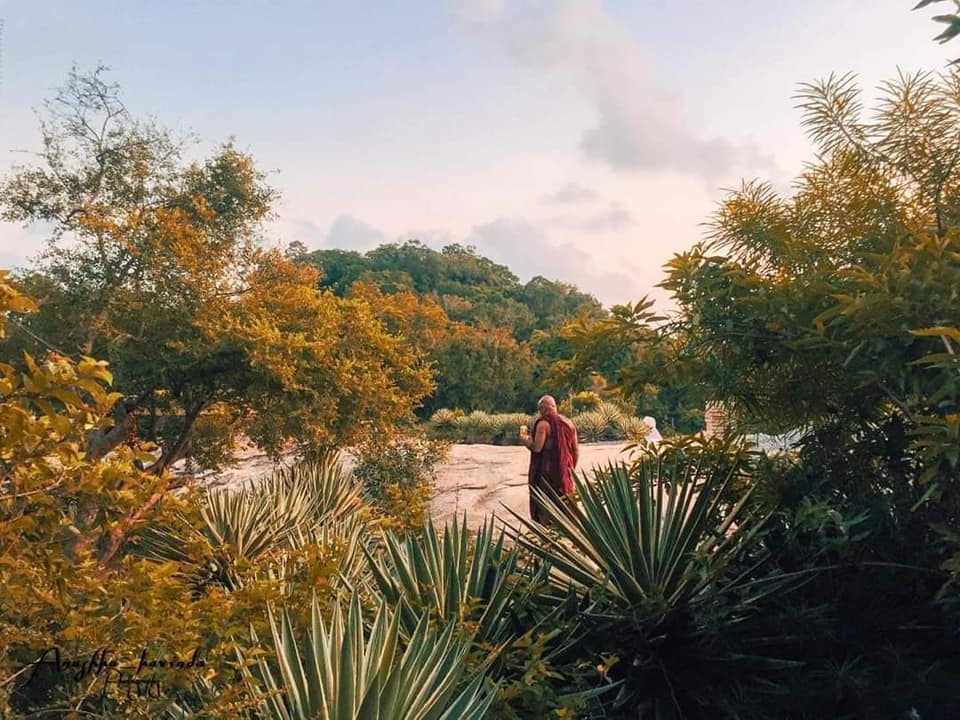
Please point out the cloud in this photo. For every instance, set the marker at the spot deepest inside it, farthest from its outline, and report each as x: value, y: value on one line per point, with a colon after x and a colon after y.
x: 571, y: 194
x: 639, y: 126
x: 349, y: 233
x: 20, y: 246
x: 478, y: 10
x: 528, y: 251
x: 345, y: 233
x: 616, y: 218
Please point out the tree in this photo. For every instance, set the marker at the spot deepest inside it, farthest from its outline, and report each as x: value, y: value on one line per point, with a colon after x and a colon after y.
x: 54, y: 552
x: 420, y: 321
x: 837, y: 304
x: 834, y: 311
x: 155, y: 265
x: 483, y: 369
x: 473, y: 292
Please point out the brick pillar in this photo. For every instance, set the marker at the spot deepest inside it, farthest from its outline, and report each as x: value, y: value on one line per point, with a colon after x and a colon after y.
x: 716, y: 418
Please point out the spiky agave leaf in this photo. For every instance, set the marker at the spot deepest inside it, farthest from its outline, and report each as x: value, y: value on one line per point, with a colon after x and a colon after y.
x: 590, y: 425
x: 444, y: 418
x: 239, y: 525
x: 347, y: 537
x: 328, y: 491
x: 450, y: 576
x: 611, y: 413
x: 632, y: 428
x: 339, y: 672
x: 652, y: 534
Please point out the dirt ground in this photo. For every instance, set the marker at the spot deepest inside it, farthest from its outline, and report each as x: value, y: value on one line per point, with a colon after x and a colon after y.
x: 479, y: 480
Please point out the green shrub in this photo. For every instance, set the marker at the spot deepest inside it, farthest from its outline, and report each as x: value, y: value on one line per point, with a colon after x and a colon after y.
x: 591, y: 426
x: 584, y: 401
x: 398, y: 473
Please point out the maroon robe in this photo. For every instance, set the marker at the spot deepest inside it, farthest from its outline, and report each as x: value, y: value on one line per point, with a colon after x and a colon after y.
x: 553, y: 466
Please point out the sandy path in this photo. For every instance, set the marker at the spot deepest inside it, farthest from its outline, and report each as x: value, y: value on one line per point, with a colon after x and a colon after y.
x: 479, y: 479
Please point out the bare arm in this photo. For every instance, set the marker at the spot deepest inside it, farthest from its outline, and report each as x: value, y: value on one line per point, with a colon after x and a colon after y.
x: 539, y: 439
x: 576, y: 448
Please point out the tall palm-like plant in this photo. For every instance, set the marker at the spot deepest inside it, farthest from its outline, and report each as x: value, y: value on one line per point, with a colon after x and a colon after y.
x: 339, y: 672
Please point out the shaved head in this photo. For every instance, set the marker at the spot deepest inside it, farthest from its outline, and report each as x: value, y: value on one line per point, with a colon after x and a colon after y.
x: 546, y: 402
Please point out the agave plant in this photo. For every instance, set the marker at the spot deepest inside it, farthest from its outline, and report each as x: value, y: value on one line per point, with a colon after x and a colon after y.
x: 478, y: 426
x: 652, y: 534
x: 340, y: 673
x: 444, y: 419
x: 632, y: 428
x: 451, y: 577
x: 236, y: 526
x: 591, y: 425
x: 343, y: 540
x: 652, y: 551
x: 612, y: 415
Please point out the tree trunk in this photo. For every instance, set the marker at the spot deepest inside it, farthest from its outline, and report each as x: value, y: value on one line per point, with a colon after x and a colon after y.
x: 170, y: 455
x: 175, y: 451
x: 101, y: 442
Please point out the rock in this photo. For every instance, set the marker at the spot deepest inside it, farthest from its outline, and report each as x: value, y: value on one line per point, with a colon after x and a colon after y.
x: 479, y: 480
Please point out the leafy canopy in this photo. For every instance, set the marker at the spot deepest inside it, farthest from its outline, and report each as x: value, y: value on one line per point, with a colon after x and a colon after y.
x: 155, y: 264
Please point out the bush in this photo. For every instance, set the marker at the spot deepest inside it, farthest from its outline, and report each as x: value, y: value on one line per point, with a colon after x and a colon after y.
x: 584, y: 401
x: 398, y: 473
x: 608, y: 421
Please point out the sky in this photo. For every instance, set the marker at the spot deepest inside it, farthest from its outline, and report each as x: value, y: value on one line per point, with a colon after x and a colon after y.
x: 583, y: 140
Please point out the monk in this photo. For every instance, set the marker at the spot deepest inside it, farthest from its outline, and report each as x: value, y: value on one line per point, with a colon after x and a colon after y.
x: 554, y: 452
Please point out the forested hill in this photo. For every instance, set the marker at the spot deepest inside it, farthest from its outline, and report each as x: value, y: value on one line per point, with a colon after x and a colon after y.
x: 470, y: 288
x: 490, y: 338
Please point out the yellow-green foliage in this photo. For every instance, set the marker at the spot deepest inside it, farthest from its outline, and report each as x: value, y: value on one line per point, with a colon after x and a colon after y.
x: 583, y: 401
x: 70, y: 583
x: 398, y: 473
x: 165, y: 277
x: 58, y: 514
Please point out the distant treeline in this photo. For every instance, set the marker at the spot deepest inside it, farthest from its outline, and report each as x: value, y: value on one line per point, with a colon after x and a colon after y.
x: 491, y: 339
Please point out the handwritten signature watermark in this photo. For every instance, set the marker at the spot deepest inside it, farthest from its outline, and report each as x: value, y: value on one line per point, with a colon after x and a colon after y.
x: 138, y: 678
